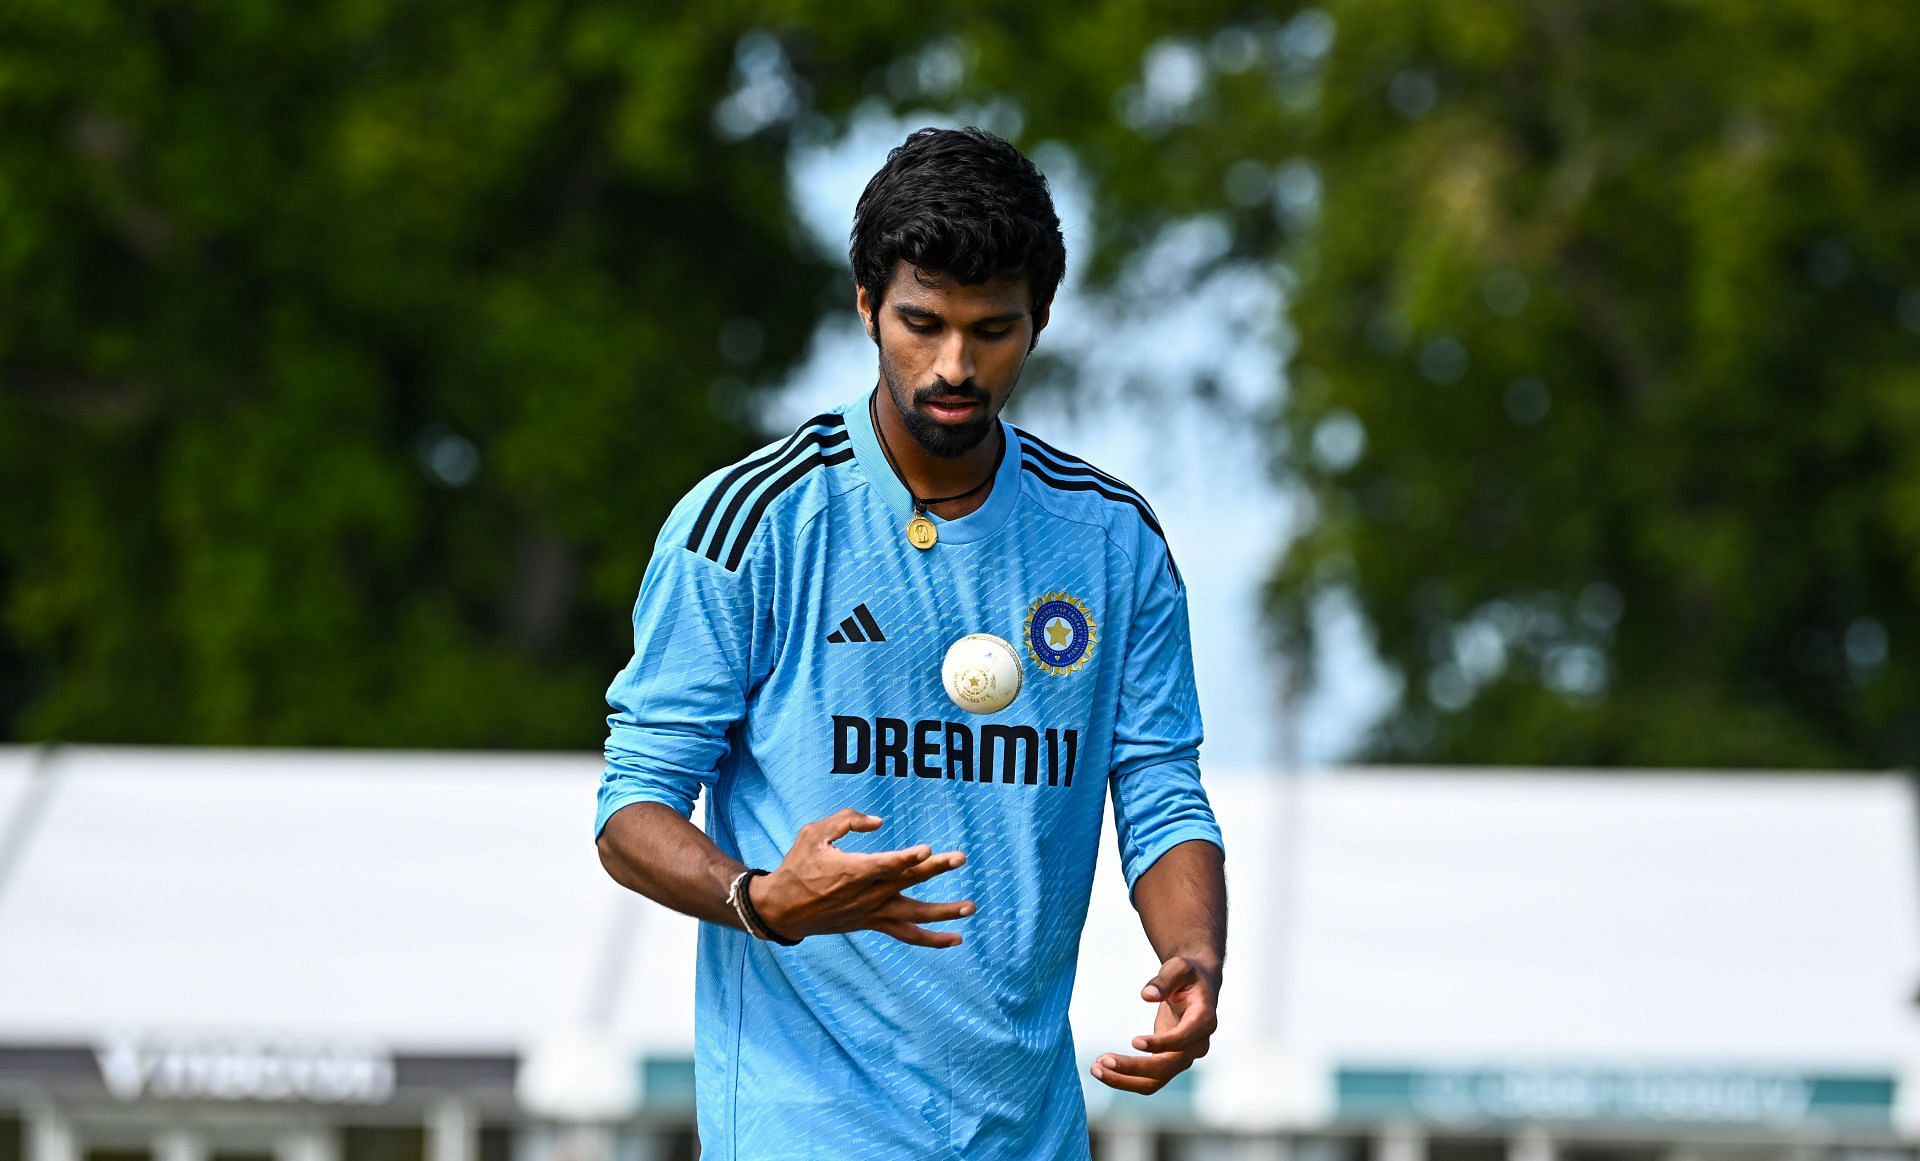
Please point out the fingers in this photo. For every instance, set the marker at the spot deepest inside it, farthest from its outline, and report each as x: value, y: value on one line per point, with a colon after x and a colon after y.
x: 888, y: 864
x: 916, y: 911
x: 930, y: 866
x: 917, y: 863
x: 1174, y: 974
x: 917, y: 935
x: 1194, y: 1029
x: 1185, y: 1023
x: 839, y: 824
x: 1141, y: 1074
x: 910, y: 865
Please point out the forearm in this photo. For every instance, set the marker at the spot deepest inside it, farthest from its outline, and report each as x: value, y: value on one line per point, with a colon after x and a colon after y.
x: 1182, y: 901
x: 650, y: 849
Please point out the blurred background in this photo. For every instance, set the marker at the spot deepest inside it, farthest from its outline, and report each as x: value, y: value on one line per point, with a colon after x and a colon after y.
x: 1530, y: 391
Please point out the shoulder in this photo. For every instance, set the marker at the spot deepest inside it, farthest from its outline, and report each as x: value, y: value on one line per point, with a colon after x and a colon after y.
x: 781, y: 484
x: 1074, y: 489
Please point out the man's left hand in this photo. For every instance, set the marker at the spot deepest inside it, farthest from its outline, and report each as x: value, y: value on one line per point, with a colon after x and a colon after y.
x: 1187, y: 992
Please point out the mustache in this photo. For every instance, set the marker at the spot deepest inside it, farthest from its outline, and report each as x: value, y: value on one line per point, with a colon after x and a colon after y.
x: 969, y: 391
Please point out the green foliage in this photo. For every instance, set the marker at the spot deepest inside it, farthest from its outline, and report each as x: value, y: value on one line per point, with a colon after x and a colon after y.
x: 352, y: 355
x: 1624, y: 300
x: 264, y: 267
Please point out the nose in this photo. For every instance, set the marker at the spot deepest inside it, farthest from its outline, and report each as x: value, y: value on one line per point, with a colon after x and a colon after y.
x: 954, y: 362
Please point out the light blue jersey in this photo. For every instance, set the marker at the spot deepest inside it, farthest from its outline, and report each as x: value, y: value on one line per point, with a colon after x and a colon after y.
x: 787, y: 651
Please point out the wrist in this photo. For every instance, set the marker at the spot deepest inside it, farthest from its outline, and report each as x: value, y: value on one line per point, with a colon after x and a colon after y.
x: 763, y: 904
x: 762, y: 899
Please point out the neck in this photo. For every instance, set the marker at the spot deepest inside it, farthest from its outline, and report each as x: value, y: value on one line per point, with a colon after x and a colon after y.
x: 928, y: 475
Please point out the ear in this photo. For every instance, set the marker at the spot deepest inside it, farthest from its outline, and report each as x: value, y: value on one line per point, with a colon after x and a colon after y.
x: 1040, y: 318
x: 863, y: 305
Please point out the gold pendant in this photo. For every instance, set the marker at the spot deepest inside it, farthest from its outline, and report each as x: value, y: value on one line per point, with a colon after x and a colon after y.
x: 921, y: 533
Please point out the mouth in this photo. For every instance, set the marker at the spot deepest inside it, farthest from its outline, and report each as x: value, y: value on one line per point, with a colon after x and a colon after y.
x: 954, y: 410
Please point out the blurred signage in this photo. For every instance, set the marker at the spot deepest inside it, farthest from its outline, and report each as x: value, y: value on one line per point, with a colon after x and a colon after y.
x: 1673, y: 1096
x: 134, y: 1068
x: 666, y: 1083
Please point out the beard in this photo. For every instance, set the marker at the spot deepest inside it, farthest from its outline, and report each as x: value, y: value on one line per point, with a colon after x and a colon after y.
x: 938, y: 438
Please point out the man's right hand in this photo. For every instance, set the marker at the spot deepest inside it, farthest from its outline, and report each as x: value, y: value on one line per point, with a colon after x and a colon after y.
x: 820, y: 889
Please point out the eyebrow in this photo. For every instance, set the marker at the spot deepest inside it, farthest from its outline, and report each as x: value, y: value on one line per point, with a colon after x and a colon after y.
x: 921, y: 312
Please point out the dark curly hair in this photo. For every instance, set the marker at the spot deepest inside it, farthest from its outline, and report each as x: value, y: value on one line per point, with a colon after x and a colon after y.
x: 961, y: 202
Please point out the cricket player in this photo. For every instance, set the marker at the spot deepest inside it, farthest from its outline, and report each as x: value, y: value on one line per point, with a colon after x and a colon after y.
x: 893, y: 888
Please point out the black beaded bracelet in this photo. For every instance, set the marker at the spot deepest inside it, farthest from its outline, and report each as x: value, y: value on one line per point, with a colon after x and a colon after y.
x: 755, y: 924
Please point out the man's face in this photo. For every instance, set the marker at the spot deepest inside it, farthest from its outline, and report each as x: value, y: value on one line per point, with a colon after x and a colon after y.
x: 950, y: 355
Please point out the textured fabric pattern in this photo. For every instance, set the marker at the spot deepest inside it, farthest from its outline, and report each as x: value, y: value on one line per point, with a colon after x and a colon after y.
x: 747, y: 683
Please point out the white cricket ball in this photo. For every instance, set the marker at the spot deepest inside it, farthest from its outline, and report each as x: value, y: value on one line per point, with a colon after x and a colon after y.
x: 982, y: 673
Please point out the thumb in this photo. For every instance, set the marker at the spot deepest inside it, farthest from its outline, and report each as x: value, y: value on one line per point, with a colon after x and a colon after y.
x: 1173, y: 975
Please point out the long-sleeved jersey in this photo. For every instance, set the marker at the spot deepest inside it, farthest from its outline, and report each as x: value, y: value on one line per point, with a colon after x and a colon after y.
x: 788, y: 641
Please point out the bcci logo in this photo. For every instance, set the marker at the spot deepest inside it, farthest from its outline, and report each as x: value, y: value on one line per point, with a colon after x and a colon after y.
x: 1060, y: 633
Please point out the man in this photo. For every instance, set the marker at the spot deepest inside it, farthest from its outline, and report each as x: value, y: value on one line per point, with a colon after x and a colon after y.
x: 788, y: 641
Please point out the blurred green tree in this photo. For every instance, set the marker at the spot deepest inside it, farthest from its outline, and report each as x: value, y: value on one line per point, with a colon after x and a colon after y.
x: 353, y: 355
x: 354, y: 352
x: 1607, y: 388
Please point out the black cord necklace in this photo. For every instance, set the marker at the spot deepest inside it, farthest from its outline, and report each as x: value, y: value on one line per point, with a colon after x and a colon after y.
x: 922, y: 532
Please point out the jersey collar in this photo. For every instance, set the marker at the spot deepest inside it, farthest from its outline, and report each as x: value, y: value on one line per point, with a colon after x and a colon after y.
x: 975, y: 525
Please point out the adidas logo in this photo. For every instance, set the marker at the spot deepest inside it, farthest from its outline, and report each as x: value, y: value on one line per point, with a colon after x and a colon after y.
x: 859, y: 627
